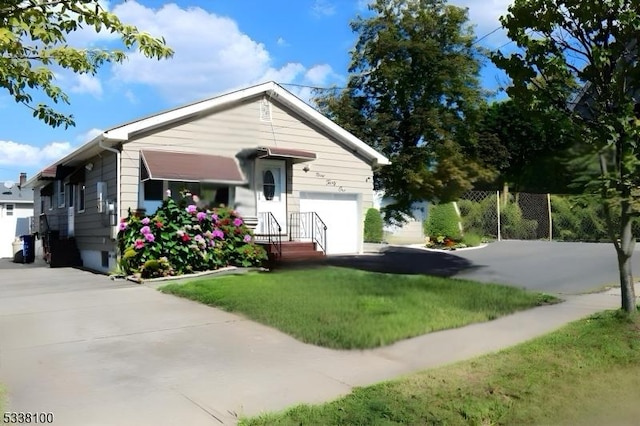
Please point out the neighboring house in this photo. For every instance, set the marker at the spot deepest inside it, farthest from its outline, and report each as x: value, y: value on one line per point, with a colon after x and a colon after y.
x: 16, y: 210
x: 410, y: 232
x: 261, y: 150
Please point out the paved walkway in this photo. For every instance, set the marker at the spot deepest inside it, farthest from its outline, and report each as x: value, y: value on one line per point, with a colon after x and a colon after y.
x: 96, y: 352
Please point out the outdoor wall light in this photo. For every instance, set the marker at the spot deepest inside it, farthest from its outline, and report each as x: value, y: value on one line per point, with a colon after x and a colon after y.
x: 306, y: 168
x: 89, y: 166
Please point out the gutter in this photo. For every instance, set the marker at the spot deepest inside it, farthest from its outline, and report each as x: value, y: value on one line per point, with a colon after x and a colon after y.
x: 118, y: 173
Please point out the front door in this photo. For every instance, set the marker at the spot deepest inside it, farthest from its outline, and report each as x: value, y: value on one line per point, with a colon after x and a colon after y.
x: 271, y: 193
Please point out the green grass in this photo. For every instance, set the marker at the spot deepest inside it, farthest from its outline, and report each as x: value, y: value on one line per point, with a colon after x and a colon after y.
x: 587, y: 373
x: 346, y: 308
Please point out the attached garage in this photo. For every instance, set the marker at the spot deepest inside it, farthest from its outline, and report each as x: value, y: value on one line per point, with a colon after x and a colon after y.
x: 341, y: 213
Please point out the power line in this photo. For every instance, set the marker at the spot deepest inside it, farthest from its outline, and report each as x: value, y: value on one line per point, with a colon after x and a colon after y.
x: 486, y: 35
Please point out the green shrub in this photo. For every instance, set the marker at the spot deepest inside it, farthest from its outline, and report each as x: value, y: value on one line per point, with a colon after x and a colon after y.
x: 443, y: 221
x: 514, y: 226
x: 179, y: 240
x: 471, y: 239
x: 373, y: 226
x: 479, y: 217
x: 578, y: 218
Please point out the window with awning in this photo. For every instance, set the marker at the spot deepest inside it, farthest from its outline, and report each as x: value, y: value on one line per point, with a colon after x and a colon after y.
x: 188, y: 167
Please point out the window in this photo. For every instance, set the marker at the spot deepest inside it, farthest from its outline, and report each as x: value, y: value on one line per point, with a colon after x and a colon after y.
x: 268, y: 185
x: 9, y: 209
x: 43, y: 198
x: 152, y: 195
x: 81, y: 193
x: 72, y: 195
x: 60, y: 186
x: 50, y: 201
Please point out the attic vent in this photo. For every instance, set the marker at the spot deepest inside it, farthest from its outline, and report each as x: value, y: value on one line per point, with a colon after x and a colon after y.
x: 265, y: 110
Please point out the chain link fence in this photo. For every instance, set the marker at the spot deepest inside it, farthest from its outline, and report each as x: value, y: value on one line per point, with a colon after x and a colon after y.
x: 526, y: 216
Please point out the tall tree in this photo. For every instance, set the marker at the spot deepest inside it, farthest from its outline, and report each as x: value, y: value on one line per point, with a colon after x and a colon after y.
x: 528, y: 148
x: 568, y: 44
x: 413, y: 94
x: 33, y: 44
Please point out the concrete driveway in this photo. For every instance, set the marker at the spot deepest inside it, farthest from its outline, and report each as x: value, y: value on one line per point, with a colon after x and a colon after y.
x: 98, y: 352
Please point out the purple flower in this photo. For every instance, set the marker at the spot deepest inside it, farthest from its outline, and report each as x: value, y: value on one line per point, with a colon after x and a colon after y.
x: 198, y: 238
x: 214, y: 217
x: 192, y: 209
x: 146, y: 221
x: 123, y: 226
x: 247, y: 238
x: 150, y: 237
x: 138, y: 244
x: 218, y: 234
x: 145, y: 230
x: 201, y: 216
x: 237, y: 221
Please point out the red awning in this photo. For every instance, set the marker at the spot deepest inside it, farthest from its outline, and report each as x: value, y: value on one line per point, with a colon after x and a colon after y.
x: 188, y: 167
x: 296, y: 155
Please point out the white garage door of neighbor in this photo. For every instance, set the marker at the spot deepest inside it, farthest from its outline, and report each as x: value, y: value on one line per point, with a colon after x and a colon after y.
x: 340, y: 213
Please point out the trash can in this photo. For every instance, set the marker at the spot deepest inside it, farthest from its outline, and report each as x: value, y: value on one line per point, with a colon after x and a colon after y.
x: 17, y: 250
x: 28, y: 248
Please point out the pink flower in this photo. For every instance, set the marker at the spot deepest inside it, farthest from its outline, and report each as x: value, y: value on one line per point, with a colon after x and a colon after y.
x: 201, y: 216
x: 146, y: 221
x: 138, y: 244
x: 150, y: 237
x: 218, y: 234
x: 123, y: 226
x: 214, y: 217
x: 237, y: 221
x: 247, y: 238
x: 192, y: 209
x: 195, y: 198
x: 145, y: 230
x: 180, y: 233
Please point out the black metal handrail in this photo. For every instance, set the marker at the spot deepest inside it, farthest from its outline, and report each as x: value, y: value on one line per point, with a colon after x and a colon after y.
x: 308, y: 226
x: 271, y: 232
x: 319, y: 232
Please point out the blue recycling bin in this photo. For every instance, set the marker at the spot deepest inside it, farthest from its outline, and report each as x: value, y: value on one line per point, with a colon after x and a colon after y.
x: 28, y: 248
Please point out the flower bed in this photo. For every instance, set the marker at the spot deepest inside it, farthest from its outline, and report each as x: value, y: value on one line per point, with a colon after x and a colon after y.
x: 179, y: 240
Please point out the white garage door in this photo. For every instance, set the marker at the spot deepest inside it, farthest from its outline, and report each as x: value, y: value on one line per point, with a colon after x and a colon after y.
x: 340, y: 213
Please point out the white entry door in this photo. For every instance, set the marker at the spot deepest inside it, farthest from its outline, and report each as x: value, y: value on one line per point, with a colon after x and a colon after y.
x: 271, y: 193
x: 340, y: 212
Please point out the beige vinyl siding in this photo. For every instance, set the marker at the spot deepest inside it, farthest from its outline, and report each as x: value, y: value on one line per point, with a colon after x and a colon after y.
x: 223, y: 133
x: 92, y: 230
x: 229, y: 131
x: 335, y: 170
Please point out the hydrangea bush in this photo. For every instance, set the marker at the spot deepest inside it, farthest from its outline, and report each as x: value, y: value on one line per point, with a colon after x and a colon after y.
x: 180, y: 239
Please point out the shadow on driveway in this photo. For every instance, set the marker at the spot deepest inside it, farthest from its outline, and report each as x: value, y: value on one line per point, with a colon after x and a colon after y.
x: 398, y: 260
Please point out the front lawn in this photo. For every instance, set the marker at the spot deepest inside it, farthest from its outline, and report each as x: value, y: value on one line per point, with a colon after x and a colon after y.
x: 347, y: 309
x: 587, y: 373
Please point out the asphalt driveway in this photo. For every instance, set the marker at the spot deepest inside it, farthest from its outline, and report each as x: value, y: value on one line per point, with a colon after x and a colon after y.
x: 553, y: 267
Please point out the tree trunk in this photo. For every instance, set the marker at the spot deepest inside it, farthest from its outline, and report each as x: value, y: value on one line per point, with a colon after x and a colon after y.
x: 624, y: 249
x: 626, y: 283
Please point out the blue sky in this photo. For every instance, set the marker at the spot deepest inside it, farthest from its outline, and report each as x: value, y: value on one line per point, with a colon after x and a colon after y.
x: 219, y: 45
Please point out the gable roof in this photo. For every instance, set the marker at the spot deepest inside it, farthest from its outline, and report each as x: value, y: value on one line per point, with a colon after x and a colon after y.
x: 126, y: 131
x: 15, y: 194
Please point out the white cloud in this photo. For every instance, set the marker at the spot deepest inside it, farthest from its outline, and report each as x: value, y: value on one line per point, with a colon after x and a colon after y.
x: 212, y: 54
x: 89, y: 84
x: 323, y: 8
x: 88, y: 135
x: 12, y: 153
x: 319, y: 74
x: 282, y: 42
x: 485, y: 15
x: 131, y: 97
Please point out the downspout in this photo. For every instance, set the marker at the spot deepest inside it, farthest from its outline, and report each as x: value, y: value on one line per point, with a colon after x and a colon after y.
x: 118, y: 172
